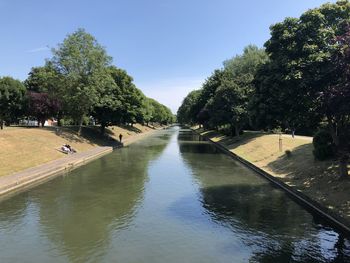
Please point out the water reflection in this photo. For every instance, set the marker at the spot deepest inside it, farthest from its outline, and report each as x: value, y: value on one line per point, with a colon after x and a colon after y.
x: 262, y: 217
x: 171, y: 197
x: 79, y: 212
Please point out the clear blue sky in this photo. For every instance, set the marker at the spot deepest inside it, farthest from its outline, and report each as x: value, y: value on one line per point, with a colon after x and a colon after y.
x: 168, y: 46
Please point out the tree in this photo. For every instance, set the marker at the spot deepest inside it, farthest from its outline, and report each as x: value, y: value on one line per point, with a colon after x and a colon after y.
x: 207, y: 92
x: 229, y: 106
x: 300, y: 73
x: 42, y: 106
x: 148, y: 111
x: 161, y: 114
x: 44, y: 79
x: 131, y: 98
x: 48, y: 81
x: 109, y: 102
x: 335, y: 100
x: 12, y: 93
x: 83, y: 63
x: 235, y: 81
x: 239, y: 73
x: 186, y: 113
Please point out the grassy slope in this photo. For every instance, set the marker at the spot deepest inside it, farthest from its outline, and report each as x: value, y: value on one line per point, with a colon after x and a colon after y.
x: 316, y: 179
x: 22, y: 148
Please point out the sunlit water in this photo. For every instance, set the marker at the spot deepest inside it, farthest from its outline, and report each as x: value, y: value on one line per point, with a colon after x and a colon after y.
x: 168, y: 198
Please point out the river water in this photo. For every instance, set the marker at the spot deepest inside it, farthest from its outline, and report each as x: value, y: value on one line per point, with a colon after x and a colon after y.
x: 168, y: 198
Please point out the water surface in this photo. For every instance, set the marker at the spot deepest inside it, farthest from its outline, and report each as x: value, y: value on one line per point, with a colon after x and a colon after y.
x: 171, y: 197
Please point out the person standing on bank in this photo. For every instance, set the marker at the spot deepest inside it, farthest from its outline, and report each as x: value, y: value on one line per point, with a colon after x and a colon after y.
x: 120, y: 137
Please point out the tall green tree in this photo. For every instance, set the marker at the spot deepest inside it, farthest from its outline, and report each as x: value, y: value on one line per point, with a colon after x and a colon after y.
x: 187, y: 112
x: 207, y: 92
x: 109, y: 102
x: 237, y: 84
x: 301, y: 68
x: 83, y: 62
x: 229, y: 106
x: 12, y: 99
x: 335, y: 100
x: 44, y: 79
x: 132, y: 99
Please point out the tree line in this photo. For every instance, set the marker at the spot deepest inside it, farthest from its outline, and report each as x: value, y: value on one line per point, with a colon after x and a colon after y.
x: 77, y: 82
x: 298, y: 81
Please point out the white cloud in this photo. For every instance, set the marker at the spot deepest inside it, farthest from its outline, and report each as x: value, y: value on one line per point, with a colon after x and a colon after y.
x: 170, y: 92
x: 39, y: 49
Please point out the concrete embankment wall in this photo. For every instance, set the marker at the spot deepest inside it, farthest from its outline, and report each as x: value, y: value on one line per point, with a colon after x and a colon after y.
x: 311, y: 205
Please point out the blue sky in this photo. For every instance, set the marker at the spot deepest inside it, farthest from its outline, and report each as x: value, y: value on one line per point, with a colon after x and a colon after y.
x: 168, y: 46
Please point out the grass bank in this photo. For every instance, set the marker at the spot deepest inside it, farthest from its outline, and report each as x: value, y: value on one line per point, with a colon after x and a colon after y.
x: 22, y: 148
x: 316, y: 179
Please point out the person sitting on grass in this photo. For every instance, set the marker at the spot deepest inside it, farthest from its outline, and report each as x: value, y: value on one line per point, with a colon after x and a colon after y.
x: 70, y: 148
x: 66, y: 148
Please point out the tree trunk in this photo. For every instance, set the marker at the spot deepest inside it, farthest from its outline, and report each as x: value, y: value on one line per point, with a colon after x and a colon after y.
x: 341, y: 149
x: 343, y: 166
x: 237, y: 130
x: 103, y: 128
x: 59, y: 118
x: 1, y: 124
x: 80, y: 125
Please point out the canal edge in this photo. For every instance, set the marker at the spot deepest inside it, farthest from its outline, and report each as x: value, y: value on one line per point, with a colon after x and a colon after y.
x: 21, y: 181
x: 334, y: 220
x: 15, y: 183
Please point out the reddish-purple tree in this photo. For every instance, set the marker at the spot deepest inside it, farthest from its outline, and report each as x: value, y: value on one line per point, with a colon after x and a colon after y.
x: 42, y: 106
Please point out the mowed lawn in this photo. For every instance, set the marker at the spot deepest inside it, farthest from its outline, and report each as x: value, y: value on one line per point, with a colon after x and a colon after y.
x: 23, y: 148
x: 317, y: 179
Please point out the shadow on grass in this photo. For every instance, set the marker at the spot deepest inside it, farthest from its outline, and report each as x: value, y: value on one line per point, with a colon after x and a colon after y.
x: 301, y: 165
x: 318, y: 179
x: 130, y: 128
x: 89, y: 134
x: 233, y: 142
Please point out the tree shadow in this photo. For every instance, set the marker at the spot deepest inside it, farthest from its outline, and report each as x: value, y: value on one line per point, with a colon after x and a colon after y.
x: 90, y: 135
x: 318, y: 179
x: 130, y: 128
x: 233, y: 142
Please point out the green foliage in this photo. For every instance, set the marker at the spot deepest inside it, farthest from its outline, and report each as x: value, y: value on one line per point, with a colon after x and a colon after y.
x: 78, y: 82
x: 323, y: 145
x: 300, y: 69
x: 83, y: 63
x: 67, y: 121
x: 44, y: 79
x: 226, y: 96
x: 12, y: 99
x: 161, y: 113
x: 187, y: 112
x: 229, y: 106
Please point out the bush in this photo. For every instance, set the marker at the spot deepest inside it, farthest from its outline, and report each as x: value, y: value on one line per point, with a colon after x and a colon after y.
x: 277, y: 130
x: 323, y: 145
x: 288, y: 153
x: 67, y: 121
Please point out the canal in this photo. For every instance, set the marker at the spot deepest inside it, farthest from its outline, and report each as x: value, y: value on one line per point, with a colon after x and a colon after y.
x: 171, y: 197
